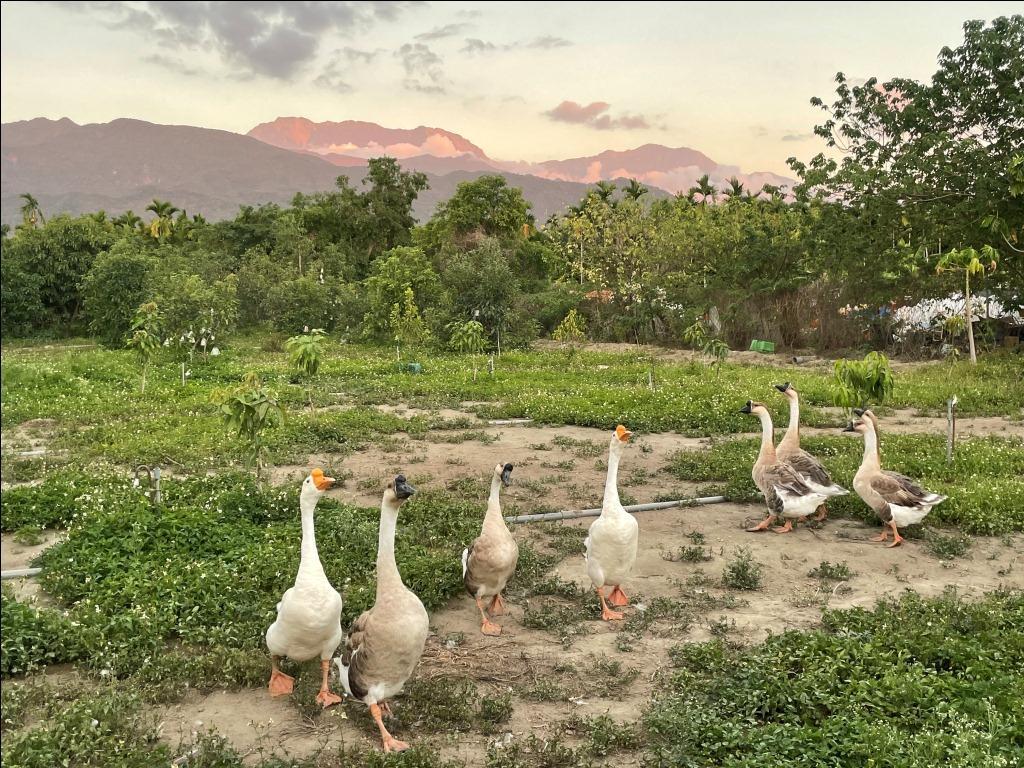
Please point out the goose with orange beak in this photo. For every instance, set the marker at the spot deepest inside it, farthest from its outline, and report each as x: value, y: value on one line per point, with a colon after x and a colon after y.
x: 612, y: 542
x: 897, y: 500
x: 309, y: 615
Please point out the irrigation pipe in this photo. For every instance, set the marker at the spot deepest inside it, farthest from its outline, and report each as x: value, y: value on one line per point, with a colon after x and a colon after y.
x: 508, y: 422
x: 698, y: 502
x: 20, y: 573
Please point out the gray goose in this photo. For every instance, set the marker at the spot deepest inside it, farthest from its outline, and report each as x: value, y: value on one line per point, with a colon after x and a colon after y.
x: 489, y: 562
x: 897, y: 500
x: 386, y: 642
x: 811, y: 470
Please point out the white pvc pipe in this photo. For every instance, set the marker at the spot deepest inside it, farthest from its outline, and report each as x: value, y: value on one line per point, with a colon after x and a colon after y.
x: 508, y: 422
x: 20, y: 573
x: 701, y: 501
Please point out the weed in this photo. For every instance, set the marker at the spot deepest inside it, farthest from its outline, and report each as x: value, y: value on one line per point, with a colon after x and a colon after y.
x: 948, y: 547
x: 827, y: 571
x: 29, y: 535
x: 691, y: 554
x: 743, y: 572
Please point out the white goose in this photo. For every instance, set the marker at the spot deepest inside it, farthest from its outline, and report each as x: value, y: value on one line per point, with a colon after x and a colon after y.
x: 386, y: 642
x: 897, y: 500
x: 612, y: 542
x: 490, y: 561
x: 309, y: 615
x: 785, y: 491
x: 811, y: 470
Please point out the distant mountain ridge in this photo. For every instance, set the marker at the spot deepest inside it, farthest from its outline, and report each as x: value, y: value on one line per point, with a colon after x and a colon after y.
x: 126, y: 163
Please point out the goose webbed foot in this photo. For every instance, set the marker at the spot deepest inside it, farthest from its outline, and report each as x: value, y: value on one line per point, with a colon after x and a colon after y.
x: 896, y: 538
x: 497, y: 606
x: 618, y: 597
x: 883, y: 536
x: 783, y: 528
x: 763, y: 525
x: 607, y: 613
x: 280, y: 683
x: 325, y: 698
x: 487, y: 626
x: 390, y: 743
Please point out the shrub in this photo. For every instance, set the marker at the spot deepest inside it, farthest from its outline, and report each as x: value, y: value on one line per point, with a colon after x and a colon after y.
x: 743, y: 572
x: 115, y: 286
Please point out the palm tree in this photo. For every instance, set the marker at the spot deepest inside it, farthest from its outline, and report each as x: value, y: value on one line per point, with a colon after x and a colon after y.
x: 161, y: 226
x: 735, y: 188
x: 127, y: 220
x: 30, y: 211
x: 635, y: 190
x: 604, y: 190
x: 704, y: 188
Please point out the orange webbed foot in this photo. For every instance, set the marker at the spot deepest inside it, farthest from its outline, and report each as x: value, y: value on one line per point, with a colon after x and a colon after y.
x: 609, y: 615
x: 391, y: 744
x: 497, y: 607
x: 280, y: 683
x: 895, y: 542
x: 618, y: 597
x: 763, y: 525
x: 490, y: 629
x: 327, y: 699
x: 783, y: 528
x: 883, y: 536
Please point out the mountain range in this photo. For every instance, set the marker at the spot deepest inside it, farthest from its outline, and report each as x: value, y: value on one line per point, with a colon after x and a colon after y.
x: 126, y: 163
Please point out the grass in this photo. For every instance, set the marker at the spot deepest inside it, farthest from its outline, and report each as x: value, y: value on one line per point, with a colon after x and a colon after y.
x: 985, y: 481
x: 911, y: 683
x: 743, y: 572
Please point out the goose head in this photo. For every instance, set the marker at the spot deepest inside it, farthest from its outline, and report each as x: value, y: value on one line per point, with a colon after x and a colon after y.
x: 620, y: 438
x: 757, y: 409
x: 787, y: 389
x: 504, y: 472
x: 398, y: 491
x: 314, y: 485
x: 864, y: 423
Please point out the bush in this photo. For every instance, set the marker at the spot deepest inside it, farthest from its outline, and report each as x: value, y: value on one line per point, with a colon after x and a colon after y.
x: 743, y: 572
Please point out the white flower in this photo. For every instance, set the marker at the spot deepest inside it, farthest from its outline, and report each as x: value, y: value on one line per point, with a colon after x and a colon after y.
x: 214, y: 352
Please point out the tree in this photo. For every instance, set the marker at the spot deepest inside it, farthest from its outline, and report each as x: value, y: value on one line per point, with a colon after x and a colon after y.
x: 635, y: 190
x: 604, y: 191
x: 31, y: 213
x: 704, y: 188
x: 127, y: 221
x: 407, y: 326
x: 484, y: 207
x: 251, y: 411
x: 387, y: 216
x: 145, y: 338
x: 969, y: 261
x: 467, y: 338
x: 114, y: 287
x: 735, y: 189
x: 162, y: 224
x: 859, y: 383
x: 571, y: 332
x: 400, y: 269
x: 305, y: 350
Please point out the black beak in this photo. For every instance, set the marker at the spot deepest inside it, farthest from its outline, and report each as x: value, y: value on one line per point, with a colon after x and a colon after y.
x: 849, y: 428
x: 858, y: 411
x: 746, y: 408
x: 783, y: 387
x: 506, y: 475
x: 402, y: 488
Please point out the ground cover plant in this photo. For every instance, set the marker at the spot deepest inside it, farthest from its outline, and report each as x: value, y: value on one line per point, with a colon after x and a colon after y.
x: 911, y: 682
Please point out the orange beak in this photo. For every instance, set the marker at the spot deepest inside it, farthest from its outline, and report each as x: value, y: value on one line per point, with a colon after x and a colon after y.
x: 623, y: 434
x: 321, y: 481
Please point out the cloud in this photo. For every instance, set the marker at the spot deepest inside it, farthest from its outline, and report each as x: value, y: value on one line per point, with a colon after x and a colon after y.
x: 545, y: 43
x: 594, y: 115
x: 272, y: 38
x: 422, y: 67
x: 356, y: 56
x: 174, y: 64
x: 797, y: 136
x: 448, y: 30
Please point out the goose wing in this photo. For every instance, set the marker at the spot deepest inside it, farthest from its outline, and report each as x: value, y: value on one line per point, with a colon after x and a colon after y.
x: 355, y: 653
x: 900, y: 490
x: 810, y: 467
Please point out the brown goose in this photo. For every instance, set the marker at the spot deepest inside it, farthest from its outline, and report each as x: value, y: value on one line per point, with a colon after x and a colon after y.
x: 490, y: 561
x: 811, y: 470
x: 785, y: 491
x: 386, y: 642
x: 898, y: 500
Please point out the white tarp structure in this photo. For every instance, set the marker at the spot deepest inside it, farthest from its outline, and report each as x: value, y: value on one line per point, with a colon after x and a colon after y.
x: 928, y: 314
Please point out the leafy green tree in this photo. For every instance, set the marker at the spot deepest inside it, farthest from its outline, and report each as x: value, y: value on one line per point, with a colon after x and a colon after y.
x: 400, y: 269
x: 571, y: 332
x: 306, y: 351
x: 969, y: 262
x: 251, y: 411
x: 734, y: 190
x: 146, y: 337
x: 468, y: 339
x: 704, y: 188
x: 387, y: 218
x: 407, y: 326
x: 481, y: 284
x: 604, y: 190
x: 114, y: 287
x: 197, y: 314
x: 484, y: 207
x: 635, y: 190
x: 31, y: 213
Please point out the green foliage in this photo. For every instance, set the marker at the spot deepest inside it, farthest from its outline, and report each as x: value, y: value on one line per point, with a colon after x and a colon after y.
x: 713, y: 348
x: 34, y: 637
x: 196, y: 312
x: 305, y: 352
x: 145, y: 339
x: 911, y: 683
x: 571, y: 331
x: 858, y: 384
x: 948, y: 547
x: 466, y: 338
x: 112, y: 290
x: 396, y: 272
x: 407, y: 326
x: 743, y: 572
x: 827, y: 571
x: 251, y: 410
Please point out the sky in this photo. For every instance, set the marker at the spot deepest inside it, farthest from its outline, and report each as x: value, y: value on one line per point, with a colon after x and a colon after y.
x: 524, y: 81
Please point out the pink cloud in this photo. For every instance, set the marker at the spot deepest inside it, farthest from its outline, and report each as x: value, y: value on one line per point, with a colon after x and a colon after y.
x: 435, y: 144
x: 572, y: 112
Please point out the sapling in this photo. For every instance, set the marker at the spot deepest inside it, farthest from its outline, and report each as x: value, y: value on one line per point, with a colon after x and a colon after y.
x: 571, y: 332
x: 858, y: 383
x: 305, y: 352
x: 468, y: 339
x: 251, y: 411
x: 145, y: 338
